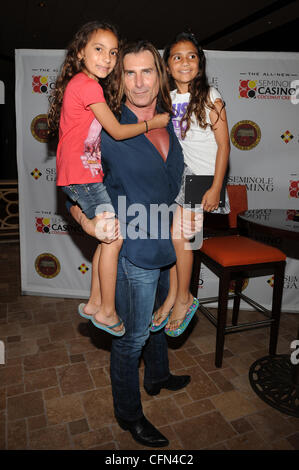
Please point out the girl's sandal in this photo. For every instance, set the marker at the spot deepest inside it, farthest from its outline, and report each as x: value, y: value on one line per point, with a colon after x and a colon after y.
x: 184, y: 322
x: 166, y: 315
x: 82, y: 313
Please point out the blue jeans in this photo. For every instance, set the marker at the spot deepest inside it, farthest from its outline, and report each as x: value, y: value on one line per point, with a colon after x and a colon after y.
x: 136, y: 291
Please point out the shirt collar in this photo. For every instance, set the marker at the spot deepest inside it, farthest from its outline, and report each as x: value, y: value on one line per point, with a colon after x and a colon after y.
x: 127, y: 116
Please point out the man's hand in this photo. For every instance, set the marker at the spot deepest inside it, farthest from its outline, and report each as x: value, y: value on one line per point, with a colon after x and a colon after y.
x: 191, y: 227
x: 107, y: 227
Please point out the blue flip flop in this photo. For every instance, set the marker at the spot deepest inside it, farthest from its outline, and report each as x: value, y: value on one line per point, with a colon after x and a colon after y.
x: 81, y: 312
x: 188, y: 317
x: 154, y: 328
x: 109, y: 329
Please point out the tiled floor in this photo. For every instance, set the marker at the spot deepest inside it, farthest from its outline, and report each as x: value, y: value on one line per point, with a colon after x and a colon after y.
x: 55, y: 389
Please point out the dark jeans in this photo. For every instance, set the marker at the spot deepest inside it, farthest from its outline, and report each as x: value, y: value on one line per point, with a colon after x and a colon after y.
x: 136, y: 291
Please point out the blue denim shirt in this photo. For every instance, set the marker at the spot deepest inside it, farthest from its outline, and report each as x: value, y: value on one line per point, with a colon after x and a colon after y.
x: 134, y: 169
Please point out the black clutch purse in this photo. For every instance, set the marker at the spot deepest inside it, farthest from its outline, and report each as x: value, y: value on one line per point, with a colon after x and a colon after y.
x: 197, y: 185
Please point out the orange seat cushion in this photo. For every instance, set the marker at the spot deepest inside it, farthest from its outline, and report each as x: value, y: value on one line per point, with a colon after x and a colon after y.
x: 236, y: 250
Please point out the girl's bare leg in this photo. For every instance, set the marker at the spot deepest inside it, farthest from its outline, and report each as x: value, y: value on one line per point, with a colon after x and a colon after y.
x: 178, y: 294
x: 88, y: 225
x: 184, y: 264
x: 94, y: 301
x: 101, y: 303
x: 106, y: 279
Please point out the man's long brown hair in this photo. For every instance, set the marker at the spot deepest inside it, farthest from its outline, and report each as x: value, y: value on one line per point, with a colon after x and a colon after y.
x: 116, y: 89
x: 70, y: 67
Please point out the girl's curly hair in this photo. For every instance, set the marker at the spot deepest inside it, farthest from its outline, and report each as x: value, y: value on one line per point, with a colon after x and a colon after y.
x: 70, y: 67
x: 198, y: 88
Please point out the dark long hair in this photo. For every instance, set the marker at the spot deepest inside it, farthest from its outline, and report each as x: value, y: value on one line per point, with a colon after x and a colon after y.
x: 70, y: 67
x: 116, y: 84
x: 198, y: 88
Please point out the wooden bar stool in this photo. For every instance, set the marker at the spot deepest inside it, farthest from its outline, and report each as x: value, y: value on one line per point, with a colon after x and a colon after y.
x: 235, y: 258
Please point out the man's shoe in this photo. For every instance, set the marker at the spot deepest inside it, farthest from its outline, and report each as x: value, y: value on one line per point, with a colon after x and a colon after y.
x: 174, y: 382
x: 144, y: 432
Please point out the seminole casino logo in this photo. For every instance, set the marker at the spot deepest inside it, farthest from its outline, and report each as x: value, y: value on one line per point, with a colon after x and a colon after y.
x: 39, y: 128
x: 43, y: 83
x: 56, y: 226
x: 294, y: 189
x: 40, y: 84
x: 293, y: 214
x: 47, y: 265
x: 245, y: 135
x: 247, y: 89
x: 273, y: 86
x: 43, y: 224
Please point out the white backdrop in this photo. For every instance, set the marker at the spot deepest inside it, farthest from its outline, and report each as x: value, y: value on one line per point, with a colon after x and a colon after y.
x: 263, y: 122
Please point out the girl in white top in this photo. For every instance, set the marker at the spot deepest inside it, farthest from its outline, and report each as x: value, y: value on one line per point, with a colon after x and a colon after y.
x: 201, y: 126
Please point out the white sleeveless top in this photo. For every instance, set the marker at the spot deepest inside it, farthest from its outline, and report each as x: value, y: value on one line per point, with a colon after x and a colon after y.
x: 199, y: 145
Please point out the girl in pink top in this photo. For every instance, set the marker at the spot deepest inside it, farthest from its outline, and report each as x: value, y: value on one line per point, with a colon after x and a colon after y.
x: 79, y: 111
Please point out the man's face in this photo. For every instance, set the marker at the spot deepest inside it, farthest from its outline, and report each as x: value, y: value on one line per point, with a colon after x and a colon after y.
x: 141, y: 79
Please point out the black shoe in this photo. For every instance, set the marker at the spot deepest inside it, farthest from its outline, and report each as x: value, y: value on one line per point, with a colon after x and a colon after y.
x: 174, y: 382
x: 144, y: 432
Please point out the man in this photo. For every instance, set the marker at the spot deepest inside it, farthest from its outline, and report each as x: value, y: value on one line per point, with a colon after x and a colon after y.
x: 144, y: 170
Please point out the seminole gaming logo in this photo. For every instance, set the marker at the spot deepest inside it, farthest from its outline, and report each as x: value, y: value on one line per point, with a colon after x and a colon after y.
x: 287, y: 136
x: 276, y: 89
x: 83, y: 268
x: 271, y: 281
x: 290, y: 282
x: 36, y: 174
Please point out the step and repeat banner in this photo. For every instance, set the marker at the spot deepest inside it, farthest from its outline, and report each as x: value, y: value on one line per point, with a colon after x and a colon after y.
x: 261, y: 92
